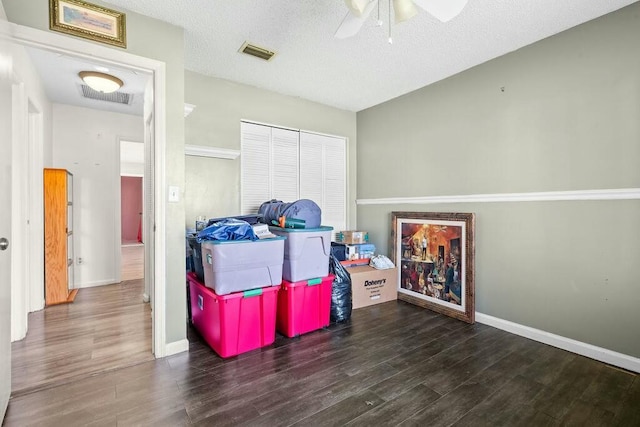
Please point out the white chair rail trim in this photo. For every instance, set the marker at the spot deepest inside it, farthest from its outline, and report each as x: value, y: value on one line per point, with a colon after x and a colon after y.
x: 214, y: 152
x: 610, y: 194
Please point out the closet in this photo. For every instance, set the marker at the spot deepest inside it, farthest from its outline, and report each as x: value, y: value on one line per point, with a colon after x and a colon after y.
x: 58, y: 237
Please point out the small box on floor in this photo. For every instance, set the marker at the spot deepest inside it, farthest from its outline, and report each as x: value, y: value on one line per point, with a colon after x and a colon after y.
x: 235, y: 323
x: 370, y: 286
x: 304, y: 306
x: 352, y: 237
x: 360, y: 251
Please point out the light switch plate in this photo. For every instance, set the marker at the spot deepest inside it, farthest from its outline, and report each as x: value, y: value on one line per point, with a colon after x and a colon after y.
x: 174, y: 193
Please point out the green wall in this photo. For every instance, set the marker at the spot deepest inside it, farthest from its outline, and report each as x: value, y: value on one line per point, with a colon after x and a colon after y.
x: 154, y: 39
x: 213, y: 185
x: 561, y: 114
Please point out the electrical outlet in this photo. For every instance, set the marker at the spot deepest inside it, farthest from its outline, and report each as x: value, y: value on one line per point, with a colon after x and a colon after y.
x: 79, y: 260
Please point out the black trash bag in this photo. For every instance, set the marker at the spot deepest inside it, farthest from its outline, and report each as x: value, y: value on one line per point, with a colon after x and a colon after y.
x: 341, y: 304
x: 228, y: 229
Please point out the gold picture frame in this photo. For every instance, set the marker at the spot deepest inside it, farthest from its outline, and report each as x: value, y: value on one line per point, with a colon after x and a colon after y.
x: 435, y: 256
x: 88, y: 21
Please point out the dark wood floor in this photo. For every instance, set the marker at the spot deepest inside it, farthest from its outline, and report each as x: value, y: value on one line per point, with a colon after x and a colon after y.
x: 105, y: 328
x: 392, y: 364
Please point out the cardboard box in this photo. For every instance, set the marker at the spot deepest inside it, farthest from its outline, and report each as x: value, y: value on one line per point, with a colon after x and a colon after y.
x: 370, y: 286
x: 364, y: 250
x: 353, y: 237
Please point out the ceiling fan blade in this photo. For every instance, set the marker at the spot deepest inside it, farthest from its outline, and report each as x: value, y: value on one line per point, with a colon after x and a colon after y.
x: 357, y: 6
x: 443, y: 10
x: 352, y: 23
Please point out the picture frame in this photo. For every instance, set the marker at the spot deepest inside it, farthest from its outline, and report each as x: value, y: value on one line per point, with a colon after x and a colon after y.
x: 89, y: 21
x: 435, y: 253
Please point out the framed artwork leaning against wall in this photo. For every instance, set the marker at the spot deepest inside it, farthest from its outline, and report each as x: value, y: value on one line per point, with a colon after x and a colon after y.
x: 434, y: 253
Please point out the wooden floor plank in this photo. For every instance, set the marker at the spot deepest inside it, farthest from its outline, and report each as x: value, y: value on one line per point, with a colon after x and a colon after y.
x: 629, y: 414
x: 501, y: 406
x: 106, y: 328
x: 89, y: 363
x: 557, y: 398
x: 343, y: 411
x: 309, y: 404
x: 449, y: 408
x: 132, y: 267
x: 395, y: 411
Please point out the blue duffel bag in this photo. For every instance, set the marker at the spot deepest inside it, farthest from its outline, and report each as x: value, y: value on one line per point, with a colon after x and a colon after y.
x: 303, y: 209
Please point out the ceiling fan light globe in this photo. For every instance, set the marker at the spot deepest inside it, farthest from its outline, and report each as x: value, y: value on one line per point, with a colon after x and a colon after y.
x: 357, y: 7
x: 101, y: 82
x: 404, y: 10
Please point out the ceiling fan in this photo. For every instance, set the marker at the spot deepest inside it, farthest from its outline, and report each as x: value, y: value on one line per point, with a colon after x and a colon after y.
x: 359, y: 11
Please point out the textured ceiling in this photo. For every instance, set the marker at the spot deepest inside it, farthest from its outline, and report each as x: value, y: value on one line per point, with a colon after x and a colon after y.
x: 59, y: 75
x: 364, y: 70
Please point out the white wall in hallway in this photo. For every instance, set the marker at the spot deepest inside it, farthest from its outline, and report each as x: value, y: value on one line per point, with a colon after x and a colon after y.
x: 86, y: 142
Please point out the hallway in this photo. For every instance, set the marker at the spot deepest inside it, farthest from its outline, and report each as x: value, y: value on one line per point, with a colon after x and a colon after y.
x: 106, y: 328
x: 132, y: 256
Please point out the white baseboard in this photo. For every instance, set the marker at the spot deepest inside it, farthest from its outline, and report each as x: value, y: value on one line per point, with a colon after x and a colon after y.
x: 96, y: 283
x: 176, y: 347
x: 598, y: 353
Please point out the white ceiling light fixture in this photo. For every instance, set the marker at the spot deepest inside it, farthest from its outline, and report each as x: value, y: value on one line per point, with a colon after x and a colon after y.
x: 403, y: 10
x: 101, y: 82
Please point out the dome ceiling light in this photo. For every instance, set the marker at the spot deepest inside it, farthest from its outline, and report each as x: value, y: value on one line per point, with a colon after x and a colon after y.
x: 101, y: 82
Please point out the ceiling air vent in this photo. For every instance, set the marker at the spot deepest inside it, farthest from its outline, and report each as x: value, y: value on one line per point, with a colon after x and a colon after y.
x: 117, y: 97
x: 257, y: 51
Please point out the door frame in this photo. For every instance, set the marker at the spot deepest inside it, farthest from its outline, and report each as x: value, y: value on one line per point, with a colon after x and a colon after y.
x: 65, y: 45
x: 19, y: 262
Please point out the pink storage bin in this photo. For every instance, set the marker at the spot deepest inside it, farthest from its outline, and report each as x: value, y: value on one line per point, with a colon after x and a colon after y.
x: 304, y: 306
x: 235, y: 323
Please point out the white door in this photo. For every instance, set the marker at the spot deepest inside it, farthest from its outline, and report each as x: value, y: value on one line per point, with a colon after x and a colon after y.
x: 5, y: 247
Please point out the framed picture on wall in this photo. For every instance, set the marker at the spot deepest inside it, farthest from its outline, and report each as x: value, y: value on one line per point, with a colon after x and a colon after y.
x: 88, y: 21
x: 435, y: 252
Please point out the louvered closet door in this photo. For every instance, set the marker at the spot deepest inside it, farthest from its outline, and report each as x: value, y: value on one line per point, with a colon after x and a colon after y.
x: 255, y: 164
x: 323, y: 176
x: 284, y: 160
x: 269, y: 164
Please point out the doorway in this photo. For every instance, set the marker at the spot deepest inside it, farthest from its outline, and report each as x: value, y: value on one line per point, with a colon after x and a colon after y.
x: 86, y: 51
x: 132, y: 245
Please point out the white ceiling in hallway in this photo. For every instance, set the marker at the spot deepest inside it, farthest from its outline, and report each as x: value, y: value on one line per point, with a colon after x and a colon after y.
x: 365, y: 70
x: 59, y: 75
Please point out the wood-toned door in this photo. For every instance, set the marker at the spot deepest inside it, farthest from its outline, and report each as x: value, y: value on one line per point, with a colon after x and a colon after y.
x: 58, y: 236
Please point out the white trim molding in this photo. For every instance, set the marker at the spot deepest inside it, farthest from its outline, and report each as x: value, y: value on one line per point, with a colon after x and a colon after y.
x: 598, y: 353
x: 214, y: 152
x: 176, y: 347
x: 543, y: 196
x: 96, y: 283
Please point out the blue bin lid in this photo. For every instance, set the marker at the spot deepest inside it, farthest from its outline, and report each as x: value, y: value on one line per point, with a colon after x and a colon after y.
x: 301, y: 230
x: 228, y: 242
